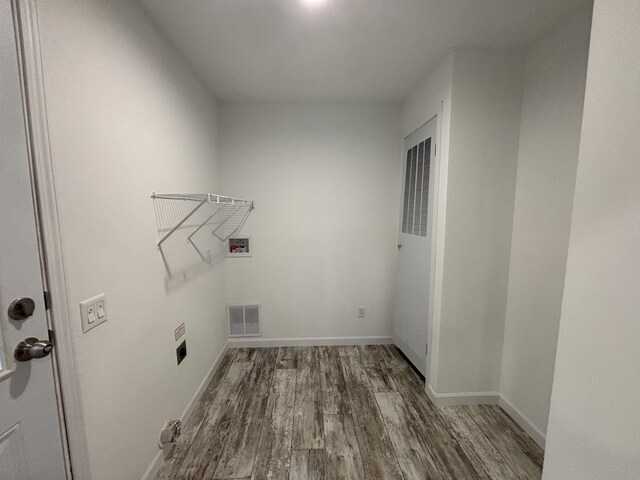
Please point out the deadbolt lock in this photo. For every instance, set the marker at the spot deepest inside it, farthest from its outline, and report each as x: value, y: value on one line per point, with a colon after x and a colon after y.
x: 31, y: 348
x: 21, y: 308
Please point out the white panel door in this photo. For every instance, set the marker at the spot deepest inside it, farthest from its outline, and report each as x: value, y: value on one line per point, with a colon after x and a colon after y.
x: 30, y: 438
x: 414, y: 245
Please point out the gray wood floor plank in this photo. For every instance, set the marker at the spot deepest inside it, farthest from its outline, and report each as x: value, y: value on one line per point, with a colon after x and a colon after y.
x: 520, y: 462
x: 515, y: 431
x: 342, y: 450
x: 447, y: 454
x: 381, y: 378
x: 307, y: 465
x: 380, y: 354
x: 191, y: 426
x: 335, y: 399
x: 287, y: 357
x: 367, y: 354
x: 348, y: 351
x: 203, y: 454
x: 193, y: 423
x: 393, y: 357
x: 273, y: 459
x: 308, y: 428
x: 247, y: 354
x: 244, y: 433
x: 171, y: 466
x: 413, y: 456
x: 376, y: 450
x: 483, y: 455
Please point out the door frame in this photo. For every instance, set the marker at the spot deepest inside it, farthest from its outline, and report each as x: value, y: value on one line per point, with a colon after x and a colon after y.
x: 436, y: 248
x: 50, y: 239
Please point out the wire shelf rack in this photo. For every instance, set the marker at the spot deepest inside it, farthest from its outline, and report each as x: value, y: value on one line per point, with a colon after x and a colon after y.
x: 181, y: 217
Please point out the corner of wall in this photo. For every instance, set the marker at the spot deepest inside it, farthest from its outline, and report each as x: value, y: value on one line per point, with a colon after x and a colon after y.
x: 485, y: 115
x: 525, y: 423
x: 555, y: 70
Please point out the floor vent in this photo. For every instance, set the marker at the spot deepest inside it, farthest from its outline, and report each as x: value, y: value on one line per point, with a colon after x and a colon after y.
x: 244, y: 320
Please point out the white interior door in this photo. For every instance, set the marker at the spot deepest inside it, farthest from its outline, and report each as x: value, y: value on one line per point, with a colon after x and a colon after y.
x: 414, y: 245
x: 30, y: 437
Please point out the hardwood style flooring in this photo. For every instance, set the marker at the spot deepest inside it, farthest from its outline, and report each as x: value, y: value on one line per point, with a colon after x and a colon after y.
x: 334, y: 413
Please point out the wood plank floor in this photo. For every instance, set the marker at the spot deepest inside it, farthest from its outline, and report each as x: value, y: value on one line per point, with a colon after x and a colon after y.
x: 333, y: 413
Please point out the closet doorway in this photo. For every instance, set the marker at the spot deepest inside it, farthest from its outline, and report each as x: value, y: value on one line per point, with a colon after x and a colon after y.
x: 415, y: 235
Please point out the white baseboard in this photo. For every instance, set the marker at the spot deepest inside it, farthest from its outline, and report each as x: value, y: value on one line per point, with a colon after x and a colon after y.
x: 526, y: 424
x: 489, y: 398
x: 307, y: 342
x: 158, y: 461
x: 463, y: 398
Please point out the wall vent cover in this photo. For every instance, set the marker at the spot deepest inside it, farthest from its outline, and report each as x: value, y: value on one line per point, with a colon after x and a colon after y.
x: 416, y: 189
x: 244, y: 320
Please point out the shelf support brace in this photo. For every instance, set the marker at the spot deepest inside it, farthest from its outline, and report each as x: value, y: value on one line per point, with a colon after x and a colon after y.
x: 181, y: 222
x: 206, y: 259
x: 205, y: 222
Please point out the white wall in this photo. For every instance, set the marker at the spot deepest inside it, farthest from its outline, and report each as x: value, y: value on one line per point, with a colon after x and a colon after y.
x: 594, y: 421
x: 425, y: 98
x: 555, y: 73
x: 127, y: 118
x: 483, y: 146
x: 326, y: 182
x: 433, y: 97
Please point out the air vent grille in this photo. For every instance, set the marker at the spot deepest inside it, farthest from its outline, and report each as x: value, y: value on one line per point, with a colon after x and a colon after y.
x: 244, y: 320
x: 416, y: 189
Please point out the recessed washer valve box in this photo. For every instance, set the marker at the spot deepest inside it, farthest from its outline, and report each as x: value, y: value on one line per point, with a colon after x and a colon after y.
x: 239, y: 247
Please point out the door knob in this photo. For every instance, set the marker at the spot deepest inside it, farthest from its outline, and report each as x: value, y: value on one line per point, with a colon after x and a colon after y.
x: 21, y: 308
x: 32, y: 348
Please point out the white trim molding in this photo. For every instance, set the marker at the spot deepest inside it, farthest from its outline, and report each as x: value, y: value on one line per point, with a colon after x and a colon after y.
x: 463, y: 398
x: 158, y: 461
x: 50, y: 237
x: 488, y: 398
x: 526, y: 424
x: 307, y: 342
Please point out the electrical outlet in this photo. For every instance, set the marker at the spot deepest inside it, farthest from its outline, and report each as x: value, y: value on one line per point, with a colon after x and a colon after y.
x: 361, y: 312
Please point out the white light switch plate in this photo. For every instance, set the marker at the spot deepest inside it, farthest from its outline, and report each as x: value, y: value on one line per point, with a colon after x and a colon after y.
x: 93, y: 312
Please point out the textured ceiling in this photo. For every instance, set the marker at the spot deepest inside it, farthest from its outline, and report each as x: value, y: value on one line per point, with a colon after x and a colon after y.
x: 343, y: 50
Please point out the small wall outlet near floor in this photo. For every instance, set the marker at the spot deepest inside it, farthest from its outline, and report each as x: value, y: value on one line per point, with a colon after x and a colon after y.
x: 93, y: 312
x: 361, y: 312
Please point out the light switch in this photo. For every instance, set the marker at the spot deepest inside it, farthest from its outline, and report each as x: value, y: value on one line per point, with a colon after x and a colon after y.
x: 100, y: 310
x: 93, y: 312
